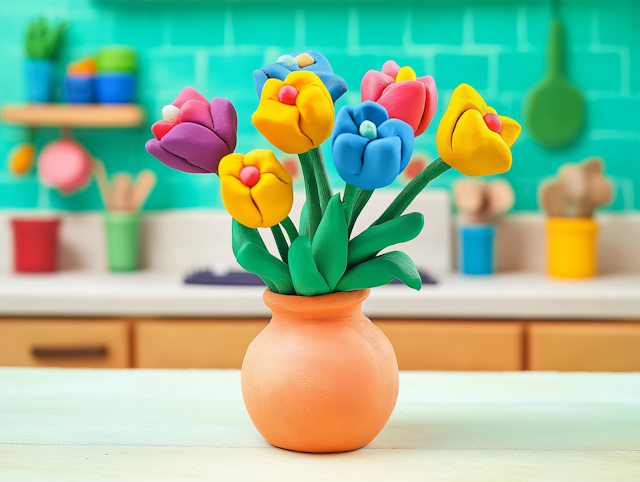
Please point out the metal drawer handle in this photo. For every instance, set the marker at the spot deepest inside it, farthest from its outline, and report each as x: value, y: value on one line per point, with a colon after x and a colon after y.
x: 87, y: 351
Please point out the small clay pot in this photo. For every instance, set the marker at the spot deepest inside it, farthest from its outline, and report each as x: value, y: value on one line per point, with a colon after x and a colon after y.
x: 320, y: 377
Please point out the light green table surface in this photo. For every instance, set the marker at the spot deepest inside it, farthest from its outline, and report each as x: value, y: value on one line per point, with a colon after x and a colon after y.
x: 170, y: 425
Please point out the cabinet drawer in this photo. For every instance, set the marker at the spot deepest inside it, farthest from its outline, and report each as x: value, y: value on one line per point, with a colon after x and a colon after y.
x: 583, y: 346
x: 56, y: 343
x: 194, y: 344
x: 456, y: 345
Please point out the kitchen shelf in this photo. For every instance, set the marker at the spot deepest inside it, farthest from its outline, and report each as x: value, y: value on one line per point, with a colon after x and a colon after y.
x: 74, y: 115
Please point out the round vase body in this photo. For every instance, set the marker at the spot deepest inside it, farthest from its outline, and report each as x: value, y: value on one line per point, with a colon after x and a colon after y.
x: 320, y: 377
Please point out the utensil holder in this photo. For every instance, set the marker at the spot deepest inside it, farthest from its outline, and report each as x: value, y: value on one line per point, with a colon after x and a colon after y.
x: 35, y: 244
x: 476, y: 247
x: 123, y: 233
x: 571, y: 247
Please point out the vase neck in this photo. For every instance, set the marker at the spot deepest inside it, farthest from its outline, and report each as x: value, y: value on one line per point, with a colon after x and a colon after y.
x: 335, y: 306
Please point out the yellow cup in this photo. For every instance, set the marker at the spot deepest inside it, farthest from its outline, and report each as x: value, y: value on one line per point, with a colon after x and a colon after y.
x: 571, y: 247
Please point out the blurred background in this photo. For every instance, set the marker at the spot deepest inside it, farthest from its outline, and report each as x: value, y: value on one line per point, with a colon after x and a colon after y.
x: 525, y: 276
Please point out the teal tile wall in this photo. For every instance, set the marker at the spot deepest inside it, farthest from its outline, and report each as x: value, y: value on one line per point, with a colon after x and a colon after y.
x: 497, y: 46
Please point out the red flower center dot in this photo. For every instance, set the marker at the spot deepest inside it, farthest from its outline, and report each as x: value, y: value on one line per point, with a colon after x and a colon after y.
x: 493, y: 122
x: 288, y: 94
x: 249, y: 175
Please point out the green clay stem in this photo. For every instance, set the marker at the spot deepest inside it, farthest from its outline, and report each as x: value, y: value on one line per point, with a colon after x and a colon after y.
x: 281, y: 242
x: 316, y: 160
x: 290, y: 228
x: 348, y: 199
x: 411, y: 190
x: 311, y: 189
x: 362, y: 198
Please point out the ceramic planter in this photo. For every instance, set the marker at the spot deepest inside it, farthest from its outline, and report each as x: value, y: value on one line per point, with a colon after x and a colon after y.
x: 79, y: 89
x: 39, y: 79
x: 115, y: 88
x: 122, y: 230
x: 571, y: 247
x: 476, y: 249
x: 35, y: 242
x: 320, y: 377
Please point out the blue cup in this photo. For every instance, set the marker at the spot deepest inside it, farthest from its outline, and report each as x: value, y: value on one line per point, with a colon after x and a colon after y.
x: 476, y: 246
x: 115, y: 88
x: 39, y: 74
x: 79, y: 89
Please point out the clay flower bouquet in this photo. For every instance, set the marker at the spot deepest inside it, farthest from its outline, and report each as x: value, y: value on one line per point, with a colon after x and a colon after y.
x: 321, y: 377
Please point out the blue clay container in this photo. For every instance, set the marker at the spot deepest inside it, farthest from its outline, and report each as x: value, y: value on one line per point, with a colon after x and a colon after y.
x: 115, y: 88
x: 476, y: 249
x: 79, y: 89
x: 39, y: 77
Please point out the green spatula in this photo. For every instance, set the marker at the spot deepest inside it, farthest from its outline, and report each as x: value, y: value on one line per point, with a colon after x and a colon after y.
x: 554, y: 109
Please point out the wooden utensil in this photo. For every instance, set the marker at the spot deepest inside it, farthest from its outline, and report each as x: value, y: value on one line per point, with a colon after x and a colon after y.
x: 121, y: 192
x: 554, y: 109
x: 144, y: 185
x: 103, y: 183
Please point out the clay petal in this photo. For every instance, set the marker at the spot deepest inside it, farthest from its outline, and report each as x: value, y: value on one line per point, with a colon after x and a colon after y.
x: 431, y: 103
x: 161, y: 128
x: 197, y: 112
x: 373, y: 84
x: 188, y: 93
x: 174, y: 162
x: 405, y: 101
x: 196, y: 144
x: 391, y: 68
x: 225, y: 121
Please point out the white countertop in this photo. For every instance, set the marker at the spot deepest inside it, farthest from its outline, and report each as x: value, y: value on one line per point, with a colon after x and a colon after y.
x: 515, y: 296
x: 172, y: 425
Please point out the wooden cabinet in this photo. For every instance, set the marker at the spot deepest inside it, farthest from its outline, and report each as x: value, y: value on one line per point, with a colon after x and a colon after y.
x: 456, y: 345
x: 583, y: 346
x: 193, y: 343
x: 65, y: 343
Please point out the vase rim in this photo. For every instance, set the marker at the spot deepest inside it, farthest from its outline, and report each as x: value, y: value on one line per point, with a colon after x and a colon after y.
x: 321, y: 306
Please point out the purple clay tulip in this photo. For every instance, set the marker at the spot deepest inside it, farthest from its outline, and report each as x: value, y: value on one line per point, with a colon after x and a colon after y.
x: 195, y: 134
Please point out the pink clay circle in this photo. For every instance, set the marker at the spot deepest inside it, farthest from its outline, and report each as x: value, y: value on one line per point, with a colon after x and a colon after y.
x: 249, y: 175
x: 493, y: 122
x: 288, y: 94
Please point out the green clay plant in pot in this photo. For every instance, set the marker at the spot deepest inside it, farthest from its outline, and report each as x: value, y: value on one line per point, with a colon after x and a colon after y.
x: 321, y: 377
x: 42, y: 42
x: 479, y: 203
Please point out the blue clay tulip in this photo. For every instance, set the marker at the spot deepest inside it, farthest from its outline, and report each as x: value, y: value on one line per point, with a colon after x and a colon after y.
x: 369, y: 149
x: 286, y: 64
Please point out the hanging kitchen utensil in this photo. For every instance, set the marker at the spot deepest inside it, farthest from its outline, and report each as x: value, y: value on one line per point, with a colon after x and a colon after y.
x: 554, y: 109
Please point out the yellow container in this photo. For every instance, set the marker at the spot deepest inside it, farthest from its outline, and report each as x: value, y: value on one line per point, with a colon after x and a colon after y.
x: 571, y: 247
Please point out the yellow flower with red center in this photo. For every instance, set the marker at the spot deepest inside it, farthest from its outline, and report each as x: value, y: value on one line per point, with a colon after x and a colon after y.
x: 472, y: 138
x: 256, y: 189
x: 295, y: 115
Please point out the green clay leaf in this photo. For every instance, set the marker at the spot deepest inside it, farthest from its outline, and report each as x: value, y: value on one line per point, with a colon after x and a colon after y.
x: 304, y: 220
x: 273, y: 271
x: 379, y: 271
x: 330, y: 243
x: 370, y: 242
x: 241, y: 236
x: 306, y: 278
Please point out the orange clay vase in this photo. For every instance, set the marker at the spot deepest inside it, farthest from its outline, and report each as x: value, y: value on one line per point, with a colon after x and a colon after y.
x: 320, y: 377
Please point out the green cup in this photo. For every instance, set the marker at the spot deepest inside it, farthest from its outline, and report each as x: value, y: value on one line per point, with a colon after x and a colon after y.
x: 123, y: 233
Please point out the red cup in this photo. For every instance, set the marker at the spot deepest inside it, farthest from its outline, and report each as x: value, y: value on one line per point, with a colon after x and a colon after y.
x: 35, y: 244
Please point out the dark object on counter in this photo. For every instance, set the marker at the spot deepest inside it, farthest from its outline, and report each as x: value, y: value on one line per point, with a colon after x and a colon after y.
x: 244, y: 278
x: 79, y: 89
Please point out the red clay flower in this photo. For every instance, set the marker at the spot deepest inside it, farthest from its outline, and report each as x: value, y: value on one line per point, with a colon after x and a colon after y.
x: 413, y: 100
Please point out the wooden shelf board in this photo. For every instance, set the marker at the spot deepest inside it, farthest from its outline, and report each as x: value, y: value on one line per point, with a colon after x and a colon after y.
x: 74, y: 115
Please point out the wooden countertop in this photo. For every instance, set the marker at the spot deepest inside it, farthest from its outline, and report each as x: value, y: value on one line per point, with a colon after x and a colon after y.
x: 140, y: 425
x: 508, y: 296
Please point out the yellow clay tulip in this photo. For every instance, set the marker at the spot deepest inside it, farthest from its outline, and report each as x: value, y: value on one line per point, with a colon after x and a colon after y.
x: 295, y: 115
x: 472, y: 138
x: 256, y: 189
